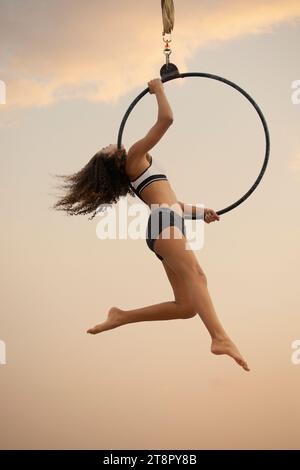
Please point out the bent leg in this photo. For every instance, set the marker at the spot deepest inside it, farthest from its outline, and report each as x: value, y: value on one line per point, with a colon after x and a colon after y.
x: 162, y: 311
x: 180, y: 308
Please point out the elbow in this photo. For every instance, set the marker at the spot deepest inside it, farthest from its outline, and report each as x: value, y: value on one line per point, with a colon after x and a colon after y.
x: 167, y: 120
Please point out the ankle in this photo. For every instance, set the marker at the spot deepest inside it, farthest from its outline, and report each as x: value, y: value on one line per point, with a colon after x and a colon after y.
x: 116, y: 315
x: 220, y: 337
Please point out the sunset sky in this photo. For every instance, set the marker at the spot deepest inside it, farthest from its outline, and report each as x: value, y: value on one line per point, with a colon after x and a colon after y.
x: 71, y: 69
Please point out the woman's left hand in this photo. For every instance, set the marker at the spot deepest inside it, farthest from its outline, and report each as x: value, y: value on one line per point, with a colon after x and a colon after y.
x: 210, y: 215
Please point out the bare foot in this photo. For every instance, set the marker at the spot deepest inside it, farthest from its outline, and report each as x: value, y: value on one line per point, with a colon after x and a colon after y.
x: 113, y: 320
x: 226, y: 346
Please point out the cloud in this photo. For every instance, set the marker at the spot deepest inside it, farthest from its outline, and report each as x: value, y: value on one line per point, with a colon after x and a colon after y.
x: 99, y: 50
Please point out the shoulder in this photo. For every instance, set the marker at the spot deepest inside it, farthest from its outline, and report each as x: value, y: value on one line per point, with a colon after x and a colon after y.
x: 135, y: 164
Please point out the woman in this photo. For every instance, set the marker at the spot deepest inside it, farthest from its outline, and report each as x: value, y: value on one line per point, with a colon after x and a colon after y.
x: 112, y: 173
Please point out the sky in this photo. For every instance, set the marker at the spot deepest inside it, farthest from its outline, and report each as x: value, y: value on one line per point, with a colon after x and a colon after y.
x: 71, y: 70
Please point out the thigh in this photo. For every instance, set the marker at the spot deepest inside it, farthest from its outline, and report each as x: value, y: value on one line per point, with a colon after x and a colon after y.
x: 181, y: 292
x: 174, y: 250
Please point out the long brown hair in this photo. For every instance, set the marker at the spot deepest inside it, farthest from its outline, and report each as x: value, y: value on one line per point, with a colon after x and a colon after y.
x: 101, y: 181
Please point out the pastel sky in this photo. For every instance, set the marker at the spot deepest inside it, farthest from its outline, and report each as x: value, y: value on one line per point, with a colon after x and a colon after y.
x: 71, y: 69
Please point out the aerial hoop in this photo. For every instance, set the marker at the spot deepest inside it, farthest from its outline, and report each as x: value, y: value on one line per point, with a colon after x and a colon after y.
x: 173, y: 76
x: 169, y: 71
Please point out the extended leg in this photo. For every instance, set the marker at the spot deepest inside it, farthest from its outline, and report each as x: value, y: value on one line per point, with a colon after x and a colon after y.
x: 185, y: 264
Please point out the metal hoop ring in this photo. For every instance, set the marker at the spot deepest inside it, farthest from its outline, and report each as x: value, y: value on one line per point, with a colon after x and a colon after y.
x: 240, y: 90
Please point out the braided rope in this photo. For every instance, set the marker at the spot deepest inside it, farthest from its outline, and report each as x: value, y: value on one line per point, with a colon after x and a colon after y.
x: 167, y: 7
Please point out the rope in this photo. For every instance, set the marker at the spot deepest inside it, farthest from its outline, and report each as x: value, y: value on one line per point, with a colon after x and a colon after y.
x: 167, y: 7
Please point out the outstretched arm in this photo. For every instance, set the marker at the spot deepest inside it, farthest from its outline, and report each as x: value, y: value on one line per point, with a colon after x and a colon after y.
x: 164, y: 121
x: 165, y: 112
x: 191, y: 211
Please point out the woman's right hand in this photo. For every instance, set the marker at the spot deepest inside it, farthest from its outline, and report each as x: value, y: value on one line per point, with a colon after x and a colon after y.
x: 155, y: 85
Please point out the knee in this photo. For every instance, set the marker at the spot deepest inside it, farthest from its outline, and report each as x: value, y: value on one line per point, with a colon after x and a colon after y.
x: 187, y: 311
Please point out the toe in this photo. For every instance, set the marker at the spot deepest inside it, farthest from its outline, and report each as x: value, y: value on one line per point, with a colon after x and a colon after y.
x: 244, y: 365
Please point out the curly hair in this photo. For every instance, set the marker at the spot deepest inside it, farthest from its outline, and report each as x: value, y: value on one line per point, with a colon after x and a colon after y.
x: 102, y: 181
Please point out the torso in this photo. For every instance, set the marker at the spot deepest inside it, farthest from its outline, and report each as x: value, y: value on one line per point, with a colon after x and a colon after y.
x: 158, y: 192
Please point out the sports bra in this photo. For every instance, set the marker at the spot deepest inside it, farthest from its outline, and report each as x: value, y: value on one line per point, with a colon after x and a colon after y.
x: 148, y: 176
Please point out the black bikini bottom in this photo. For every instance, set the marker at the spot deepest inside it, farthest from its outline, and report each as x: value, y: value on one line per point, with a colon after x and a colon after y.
x: 159, y: 219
